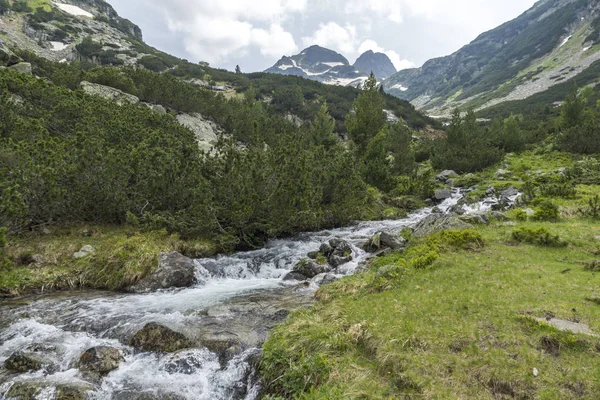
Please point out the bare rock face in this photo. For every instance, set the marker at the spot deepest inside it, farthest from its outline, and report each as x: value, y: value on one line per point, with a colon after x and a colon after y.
x: 109, y: 93
x: 174, y: 271
x: 206, y: 131
x: 100, y: 360
x: 156, y: 337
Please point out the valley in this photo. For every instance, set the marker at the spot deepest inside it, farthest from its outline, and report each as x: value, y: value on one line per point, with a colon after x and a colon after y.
x: 172, y: 230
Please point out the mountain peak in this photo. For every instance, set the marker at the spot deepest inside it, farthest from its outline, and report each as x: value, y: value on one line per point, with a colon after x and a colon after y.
x: 378, y: 63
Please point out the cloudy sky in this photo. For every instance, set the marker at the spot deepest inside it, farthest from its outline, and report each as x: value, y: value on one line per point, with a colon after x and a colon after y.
x: 256, y: 33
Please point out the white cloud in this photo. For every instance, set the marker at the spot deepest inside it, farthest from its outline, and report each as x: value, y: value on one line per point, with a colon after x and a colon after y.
x: 398, y: 61
x: 334, y: 36
x: 391, y: 9
x: 275, y: 42
x: 217, y: 30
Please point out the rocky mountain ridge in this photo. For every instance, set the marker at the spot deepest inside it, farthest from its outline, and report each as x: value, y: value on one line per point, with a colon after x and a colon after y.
x: 329, y: 67
x: 554, y: 41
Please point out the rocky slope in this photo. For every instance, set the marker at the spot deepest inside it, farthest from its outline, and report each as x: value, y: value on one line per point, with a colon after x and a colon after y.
x: 54, y: 29
x: 553, y: 41
x: 327, y: 66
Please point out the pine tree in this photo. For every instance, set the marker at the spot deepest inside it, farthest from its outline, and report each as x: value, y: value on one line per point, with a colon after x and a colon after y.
x: 572, y: 112
x: 238, y: 70
x: 368, y: 117
x: 322, y: 129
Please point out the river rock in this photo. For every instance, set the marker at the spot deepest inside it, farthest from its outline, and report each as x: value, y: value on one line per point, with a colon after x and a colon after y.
x: 341, y: 254
x: 30, y: 390
x: 84, y: 252
x: 174, y: 271
x: 326, y: 249
x: 156, y: 337
x: 392, y: 241
x: 101, y: 360
x: 22, y: 67
x: 445, y: 175
x: 309, y: 268
x: 130, y: 395
x: 224, y: 344
x: 506, y: 194
x: 22, y: 361
x: 442, y: 194
x: 324, y: 279
x: 313, y: 255
x: 294, y: 276
x: 117, y: 96
x: 438, y: 222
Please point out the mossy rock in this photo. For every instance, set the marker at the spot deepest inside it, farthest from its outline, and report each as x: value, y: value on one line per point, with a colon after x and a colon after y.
x: 156, y: 337
x: 22, y: 361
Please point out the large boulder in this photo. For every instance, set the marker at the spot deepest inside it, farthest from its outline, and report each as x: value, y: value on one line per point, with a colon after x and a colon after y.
x: 22, y: 67
x: 324, y: 279
x: 100, y: 360
x: 22, y: 361
x: 109, y: 93
x: 206, y: 131
x: 7, y: 57
x: 174, y: 271
x: 309, y: 268
x: 156, y: 337
x: 438, y: 222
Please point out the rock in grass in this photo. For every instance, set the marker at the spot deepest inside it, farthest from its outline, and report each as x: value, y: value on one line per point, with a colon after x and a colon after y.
x: 174, y: 271
x: 156, y: 337
x: 22, y: 67
x: 84, y: 252
x: 22, y: 361
x: 100, y: 360
x: 438, y: 222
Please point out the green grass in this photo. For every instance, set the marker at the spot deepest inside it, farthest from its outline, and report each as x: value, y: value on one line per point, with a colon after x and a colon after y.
x: 453, y: 317
x: 35, y: 4
x: 123, y: 256
x: 461, y: 328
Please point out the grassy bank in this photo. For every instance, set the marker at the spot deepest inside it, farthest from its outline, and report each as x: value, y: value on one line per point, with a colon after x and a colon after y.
x: 44, y: 261
x: 456, y: 315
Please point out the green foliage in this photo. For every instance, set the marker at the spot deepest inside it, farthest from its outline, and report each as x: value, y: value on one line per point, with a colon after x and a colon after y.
x: 465, y: 133
x: 154, y: 63
x: 546, y: 210
x: 593, y: 207
x: 377, y: 166
x: 565, y: 190
x: 573, y: 109
x: 508, y: 135
x: 539, y: 237
x: 88, y: 48
x: 368, y: 118
x: 21, y: 6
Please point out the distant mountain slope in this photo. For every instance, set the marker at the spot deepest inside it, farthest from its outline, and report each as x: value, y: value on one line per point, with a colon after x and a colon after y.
x: 326, y: 66
x: 378, y: 63
x: 552, y: 42
x: 89, y: 33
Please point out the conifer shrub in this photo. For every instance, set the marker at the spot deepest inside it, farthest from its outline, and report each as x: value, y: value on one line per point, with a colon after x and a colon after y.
x: 539, y: 237
x: 546, y: 210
